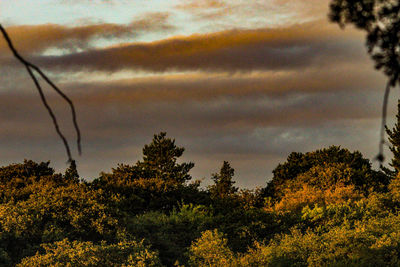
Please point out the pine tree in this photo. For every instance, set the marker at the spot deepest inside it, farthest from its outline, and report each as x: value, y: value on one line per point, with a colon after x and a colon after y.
x: 394, y: 139
x: 223, y: 186
x: 71, y: 173
x: 160, y: 161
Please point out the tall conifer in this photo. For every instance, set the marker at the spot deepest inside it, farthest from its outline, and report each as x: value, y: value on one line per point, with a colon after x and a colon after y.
x: 394, y: 139
x: 223, y: 186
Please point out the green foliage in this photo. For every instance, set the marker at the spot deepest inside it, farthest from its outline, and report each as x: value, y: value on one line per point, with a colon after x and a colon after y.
x: 394, y: 188
x: 71, y: 173
x: 18, y: 180
x: 394, y: 139
x: 323, y: 208
x: 4, y: 258
x: 148, y: 194
x: 171, y: 234
x: 223, y: 183
x: 29, y: 171
x: 211, y: 249
x: 356, y: 170
x: 53, y: 213
x: 156, y: 183
x: 76, y: 253
x: 243, y: 227
x: 370, y: 243
x: 160, y: 161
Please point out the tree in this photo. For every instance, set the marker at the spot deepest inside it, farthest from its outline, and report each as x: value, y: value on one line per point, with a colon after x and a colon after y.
x: 381, y: 21
x: 211, y: 249
x: 160, y: 161
x: 79, y: 253
x: 171, y: 234
x: 223, y: 186
x: 27, y: 170
x: 17, y: 181
x: 361, y: 175
x: 72, y: 173
x: 158, y: 182
x: 394, y: 139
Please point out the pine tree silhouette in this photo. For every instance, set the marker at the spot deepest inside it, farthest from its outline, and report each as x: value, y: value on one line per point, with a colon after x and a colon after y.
x: 394, y: 139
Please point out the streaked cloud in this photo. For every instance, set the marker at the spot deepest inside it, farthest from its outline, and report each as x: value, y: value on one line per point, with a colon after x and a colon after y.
x: 203, y: 87
x: 31, y: 39
x: 256, y: 12
x: 283, y: 48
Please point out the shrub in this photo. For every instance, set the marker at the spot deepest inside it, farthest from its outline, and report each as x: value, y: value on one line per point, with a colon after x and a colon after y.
x: 76, y: 253
x: 211, y: 249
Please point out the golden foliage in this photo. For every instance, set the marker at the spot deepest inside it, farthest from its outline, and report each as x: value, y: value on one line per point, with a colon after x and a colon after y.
x: 79, y: 254
x: 295, y: 201
x: 211, y: 249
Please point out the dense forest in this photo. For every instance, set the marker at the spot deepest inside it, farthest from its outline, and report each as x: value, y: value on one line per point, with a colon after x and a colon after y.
x: 326, y: 207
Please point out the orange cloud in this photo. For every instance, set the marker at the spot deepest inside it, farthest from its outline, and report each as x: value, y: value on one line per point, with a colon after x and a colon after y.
x: 202, y: 4
x: 209, y: 87
x: 38, y: 38
x: 301, y: 45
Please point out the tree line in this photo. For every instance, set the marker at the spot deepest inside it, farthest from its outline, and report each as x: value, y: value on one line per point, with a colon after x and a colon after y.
x: 325, y: 207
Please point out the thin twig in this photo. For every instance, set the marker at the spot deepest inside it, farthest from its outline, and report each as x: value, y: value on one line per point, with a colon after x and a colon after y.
x: 78, y: 133
x: 380, y: 156
x: 53, y: 117
x: 28, y: 66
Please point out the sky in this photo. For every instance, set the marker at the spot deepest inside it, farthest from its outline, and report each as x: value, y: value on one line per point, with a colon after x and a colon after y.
x: 247, y: 82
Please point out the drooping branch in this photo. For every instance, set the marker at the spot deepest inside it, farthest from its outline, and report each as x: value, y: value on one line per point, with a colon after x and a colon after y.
x: 380, y: 19
x: 29, y: 67
x: 380, y: 157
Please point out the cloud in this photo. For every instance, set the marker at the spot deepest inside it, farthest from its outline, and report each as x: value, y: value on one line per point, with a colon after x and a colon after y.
x: 122, y: 119
x: 69, y: 2
x: 255, y: 11
x: 29, y: 39
x: 283, y: 48
x: 208, y: 86
x: 206, y: 8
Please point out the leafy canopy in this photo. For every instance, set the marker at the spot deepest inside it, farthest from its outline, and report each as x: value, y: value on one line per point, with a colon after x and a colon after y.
x: 160, y: 160
x: 223, y: 183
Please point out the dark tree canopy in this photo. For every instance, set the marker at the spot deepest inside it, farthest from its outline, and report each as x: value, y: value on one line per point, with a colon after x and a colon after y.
x: 381, y: 21
x: 72, y: 173
x: 298, y: 163
x: 160, y: 160
x: 28, y: 169
x: 394, y: 139
x: 223, y: 183
x: 141, y: 217
x: 157, y: 182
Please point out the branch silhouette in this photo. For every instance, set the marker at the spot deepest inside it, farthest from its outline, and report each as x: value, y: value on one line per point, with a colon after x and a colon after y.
x: 381, y: 21
x: 29, y: 67
x: 380, y: 157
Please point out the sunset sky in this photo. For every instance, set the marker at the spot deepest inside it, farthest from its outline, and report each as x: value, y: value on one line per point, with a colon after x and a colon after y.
x: 243, y: 81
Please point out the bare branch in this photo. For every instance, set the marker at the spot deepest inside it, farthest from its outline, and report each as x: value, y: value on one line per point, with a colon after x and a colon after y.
x: 29, y: 67
x: 380, y: 157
